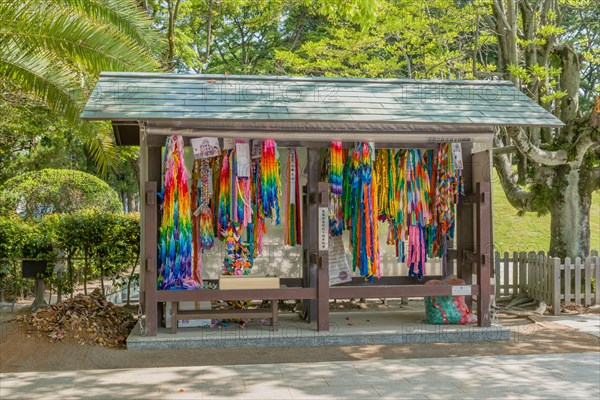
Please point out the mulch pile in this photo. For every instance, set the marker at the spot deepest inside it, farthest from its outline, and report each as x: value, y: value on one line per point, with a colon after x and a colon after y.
x: 84, y: 319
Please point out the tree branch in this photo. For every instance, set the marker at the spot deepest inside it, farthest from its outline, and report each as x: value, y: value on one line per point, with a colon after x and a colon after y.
x: 500, y: 12
x: 517, y: 196
x: 544, y: 176
x: 533, y: 152
x: 504, y: 150
x: 595, y: 173
x: 584, y: 143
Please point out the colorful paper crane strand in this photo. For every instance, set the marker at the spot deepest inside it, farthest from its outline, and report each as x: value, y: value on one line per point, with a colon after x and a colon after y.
x: 335, y: 169
x: 364, y: 235
x: 270, y: 181
x: 175, y: 232
x: 224, y: 198
x: 293, y: 228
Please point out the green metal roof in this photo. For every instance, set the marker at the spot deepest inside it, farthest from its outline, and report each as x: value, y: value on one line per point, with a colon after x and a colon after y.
x: 178, y: 97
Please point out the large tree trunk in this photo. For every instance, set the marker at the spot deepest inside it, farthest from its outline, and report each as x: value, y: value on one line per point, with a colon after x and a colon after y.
x: 570, y: 213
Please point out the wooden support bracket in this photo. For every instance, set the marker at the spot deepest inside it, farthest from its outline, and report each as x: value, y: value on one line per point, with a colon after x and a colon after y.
x: 150, y: 198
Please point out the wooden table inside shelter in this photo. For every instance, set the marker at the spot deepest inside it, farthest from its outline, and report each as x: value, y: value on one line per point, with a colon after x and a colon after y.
x: 233, y: 282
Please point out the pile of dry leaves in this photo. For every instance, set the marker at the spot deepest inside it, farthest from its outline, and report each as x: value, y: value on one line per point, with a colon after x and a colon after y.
x: 84, y: 319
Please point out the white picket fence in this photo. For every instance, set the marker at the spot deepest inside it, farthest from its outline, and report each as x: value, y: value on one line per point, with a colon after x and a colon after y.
x: 549, y: 279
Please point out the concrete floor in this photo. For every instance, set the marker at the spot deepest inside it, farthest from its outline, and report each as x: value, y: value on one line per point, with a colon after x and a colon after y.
x: 346, y: 328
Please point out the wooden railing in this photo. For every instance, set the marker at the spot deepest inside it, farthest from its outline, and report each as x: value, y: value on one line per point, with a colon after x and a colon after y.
x: 549, y: 279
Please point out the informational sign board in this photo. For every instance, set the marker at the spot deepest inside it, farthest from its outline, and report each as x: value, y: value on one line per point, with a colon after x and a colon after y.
x: 228, y: 143
x: 256, y: 148
x: 461, y: 290
x: 339, y: 269
x: 457, y: 155
x: 323, y: 228
x: 242, y: 153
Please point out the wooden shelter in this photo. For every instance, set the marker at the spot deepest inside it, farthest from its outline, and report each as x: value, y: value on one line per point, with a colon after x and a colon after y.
x: 310, y: 112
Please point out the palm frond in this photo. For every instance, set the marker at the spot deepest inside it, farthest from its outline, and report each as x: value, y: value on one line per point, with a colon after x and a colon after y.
x: 84, y: 41
x: 48, y: 47
x: 37, y: 74
x: 99, y: 140
x: 126, y: 17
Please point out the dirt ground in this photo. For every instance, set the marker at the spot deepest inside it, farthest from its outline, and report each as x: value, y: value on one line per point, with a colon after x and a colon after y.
x: 20, y: 352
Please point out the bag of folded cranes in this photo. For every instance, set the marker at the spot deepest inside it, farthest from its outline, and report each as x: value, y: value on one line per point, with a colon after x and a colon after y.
x: 442, y: 310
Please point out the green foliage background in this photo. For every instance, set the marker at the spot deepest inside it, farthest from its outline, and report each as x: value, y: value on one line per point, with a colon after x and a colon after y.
x: 97, y: 244
x: 514, y: 231
x: 57, y: 191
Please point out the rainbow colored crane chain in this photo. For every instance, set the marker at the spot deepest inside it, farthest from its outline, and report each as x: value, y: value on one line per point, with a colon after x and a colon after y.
x: 175, y: 232
x: 335, y: 166
x: 362, y: 209
x: 270, y: 181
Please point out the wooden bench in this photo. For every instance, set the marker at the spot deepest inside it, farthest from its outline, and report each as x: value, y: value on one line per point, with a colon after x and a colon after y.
x: 233, y: 283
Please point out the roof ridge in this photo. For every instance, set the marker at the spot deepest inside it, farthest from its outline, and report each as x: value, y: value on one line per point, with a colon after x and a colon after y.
x: 223, y: 77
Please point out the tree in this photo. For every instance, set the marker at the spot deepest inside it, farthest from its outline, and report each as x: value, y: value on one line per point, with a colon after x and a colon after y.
x: 526, y: 41
x: 32, y: 137
x: 55, y: 49
x: 47, y: 191
x: 411, y: 39
x: 538, y: 52
x: 13, y: 236
x: 124, y: 247
x: 242, y: 36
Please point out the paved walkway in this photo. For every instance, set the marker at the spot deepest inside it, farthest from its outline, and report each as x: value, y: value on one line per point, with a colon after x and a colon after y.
x: 588, y: 323
x: 551, y: 376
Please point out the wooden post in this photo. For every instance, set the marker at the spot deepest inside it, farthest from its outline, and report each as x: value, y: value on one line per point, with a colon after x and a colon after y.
x: 515, y: 275
x: 323, y: 273
x: 587, y: 262
x: 150, y: 261
x: 464, y: 216
x: 523, y: 271
x: 554, y: 263
x: 305, y: 251
x: 311, y: 223
x: 498, y: 272
x: 577, y: 279
x: 484, y: 252
x: 567, y: 268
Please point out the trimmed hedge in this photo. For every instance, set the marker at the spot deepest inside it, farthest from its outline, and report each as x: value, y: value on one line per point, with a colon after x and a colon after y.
x: 38, y: 193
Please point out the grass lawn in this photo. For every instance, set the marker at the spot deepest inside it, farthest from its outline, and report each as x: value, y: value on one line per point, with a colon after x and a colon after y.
x: 530, y: 232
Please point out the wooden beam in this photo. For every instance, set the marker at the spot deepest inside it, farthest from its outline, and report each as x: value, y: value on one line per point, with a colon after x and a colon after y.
x: 348, y: 292
x: 240, y: 294
x: 389, y: 281
x: 158, y: 140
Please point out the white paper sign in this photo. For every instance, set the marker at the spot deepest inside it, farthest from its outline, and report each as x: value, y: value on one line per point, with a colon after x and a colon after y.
x: 242, y: 153
x: 323, y: 228
x: 457, y: 155
x: 372, y: 146
x: 339, y: 269
x: 205, y: 147
x: 256, y: 148
x: 228, y: 143
x: 461, y: 290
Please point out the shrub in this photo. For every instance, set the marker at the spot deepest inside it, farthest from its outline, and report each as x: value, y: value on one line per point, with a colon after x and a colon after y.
x: 38, y: 193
